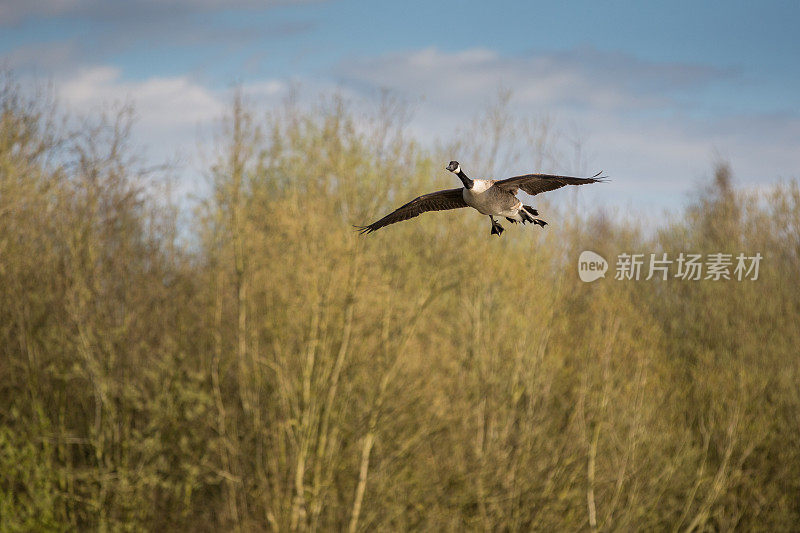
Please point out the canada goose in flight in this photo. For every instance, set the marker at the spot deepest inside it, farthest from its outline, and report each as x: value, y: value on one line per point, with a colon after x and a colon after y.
x: 496, y: 198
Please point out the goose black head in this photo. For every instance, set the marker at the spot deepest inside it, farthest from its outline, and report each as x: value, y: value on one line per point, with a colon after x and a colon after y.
x: 455, y: 168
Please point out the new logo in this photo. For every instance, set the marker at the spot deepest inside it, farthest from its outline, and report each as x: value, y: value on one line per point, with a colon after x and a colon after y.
x: 591, y: 266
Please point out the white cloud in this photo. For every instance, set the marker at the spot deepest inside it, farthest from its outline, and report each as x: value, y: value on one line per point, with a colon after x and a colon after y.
x: 646, y: 124
x: 266, y: 90
x: 581, y: 78
x: 637, y: 121
x: 163, y: 104
x: 173, y: 115
x: 169, y: 111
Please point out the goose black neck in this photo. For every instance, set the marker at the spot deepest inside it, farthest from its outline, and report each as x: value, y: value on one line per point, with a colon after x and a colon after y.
x: 468, y: 183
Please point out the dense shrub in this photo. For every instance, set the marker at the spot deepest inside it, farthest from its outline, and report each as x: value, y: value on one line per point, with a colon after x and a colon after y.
x: 274, y: 370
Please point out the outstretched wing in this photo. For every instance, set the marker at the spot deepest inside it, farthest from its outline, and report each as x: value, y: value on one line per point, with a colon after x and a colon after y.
x: 534, y: 184
x: 435, y: 201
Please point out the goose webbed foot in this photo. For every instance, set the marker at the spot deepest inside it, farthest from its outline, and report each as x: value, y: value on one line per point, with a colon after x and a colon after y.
x: 497, y: 229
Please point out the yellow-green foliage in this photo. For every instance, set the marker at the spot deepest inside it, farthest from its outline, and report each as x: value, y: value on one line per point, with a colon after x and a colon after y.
x: 280, y: 372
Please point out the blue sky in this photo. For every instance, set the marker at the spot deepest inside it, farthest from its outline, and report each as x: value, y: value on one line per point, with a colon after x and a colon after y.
x: 654, y: 92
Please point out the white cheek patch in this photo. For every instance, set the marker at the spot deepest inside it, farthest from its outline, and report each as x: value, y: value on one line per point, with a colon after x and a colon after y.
x: 458, y: 169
